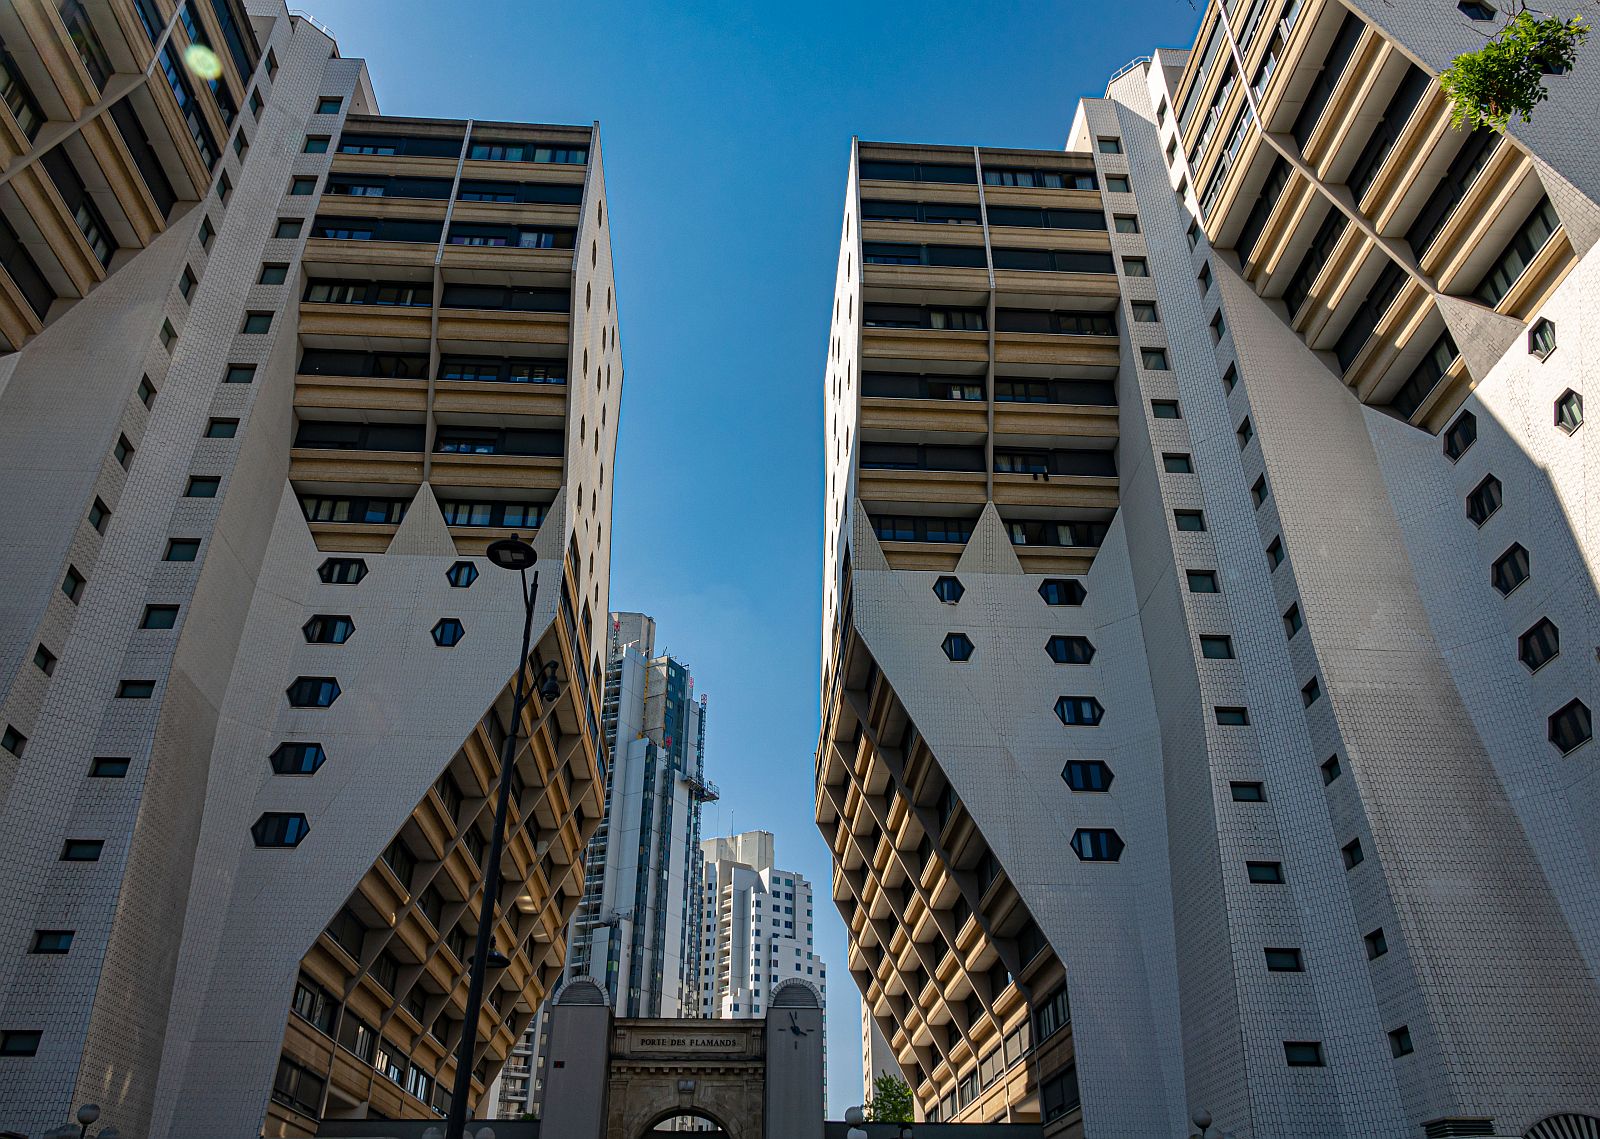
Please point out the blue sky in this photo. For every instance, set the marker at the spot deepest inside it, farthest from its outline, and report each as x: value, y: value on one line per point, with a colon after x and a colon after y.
x: 726, y: 130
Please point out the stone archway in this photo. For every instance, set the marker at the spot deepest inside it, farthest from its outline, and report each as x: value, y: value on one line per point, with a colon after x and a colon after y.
x: 721, y: 1132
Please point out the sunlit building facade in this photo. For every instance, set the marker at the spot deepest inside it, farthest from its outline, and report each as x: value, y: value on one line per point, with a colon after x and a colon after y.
x: 1209, y: 585
x: 280, y: 368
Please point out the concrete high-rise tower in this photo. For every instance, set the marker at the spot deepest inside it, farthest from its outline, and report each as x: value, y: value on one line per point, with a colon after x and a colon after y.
x: 281, y: 367
x: 1209, y: 598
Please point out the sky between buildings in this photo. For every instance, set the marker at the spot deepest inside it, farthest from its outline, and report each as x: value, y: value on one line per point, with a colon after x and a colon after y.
x: 726, y: 130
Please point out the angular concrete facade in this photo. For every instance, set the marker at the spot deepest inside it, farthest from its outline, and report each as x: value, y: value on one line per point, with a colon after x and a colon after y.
x: 254, y: 667
x: 1286, y: 772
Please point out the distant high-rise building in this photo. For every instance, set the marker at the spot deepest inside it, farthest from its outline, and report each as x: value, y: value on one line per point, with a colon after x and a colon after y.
x: 280, y: 369
x: 877, y: 1058
x: 1210, y: 590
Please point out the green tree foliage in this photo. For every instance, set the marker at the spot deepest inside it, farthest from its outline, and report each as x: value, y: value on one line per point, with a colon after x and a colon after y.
x: 891, y: 1100
x: 1505, y: 77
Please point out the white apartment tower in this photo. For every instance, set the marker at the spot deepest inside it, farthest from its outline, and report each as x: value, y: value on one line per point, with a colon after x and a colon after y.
x: 1210, y: 593
x: 278, y: 369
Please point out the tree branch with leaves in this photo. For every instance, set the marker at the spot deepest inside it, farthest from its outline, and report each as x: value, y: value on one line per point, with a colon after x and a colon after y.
x: 890, y: 1101
x: 1505, y: 77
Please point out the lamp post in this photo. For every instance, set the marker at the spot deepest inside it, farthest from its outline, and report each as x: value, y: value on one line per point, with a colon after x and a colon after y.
x: 88, y: 1114
x: 511, y: 554
x: 1201, y: 1119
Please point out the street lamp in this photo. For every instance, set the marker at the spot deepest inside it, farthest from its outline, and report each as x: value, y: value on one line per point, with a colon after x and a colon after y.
x: 511, y: 554
x: 853, y: 1116
x: 88, y: 1114
x: 1201, y: 1119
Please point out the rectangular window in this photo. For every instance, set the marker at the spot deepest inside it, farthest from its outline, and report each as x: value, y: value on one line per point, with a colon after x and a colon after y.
x: 222, y: 428
x: 1285, y: 961
x: 1202, y: 581
x: 1377, y: 945
x: 302, y: 186
x: 1165, y: 409
x: 329, y: 105
x: 13, y: 741
x: 1330, y: 769
x: 186, y: 283
x: 240, y: 374
x: 147, y: 391
x: 1265, y: 873
x: 168, y: 335
x: 1400, y: 1042
x: 1258, y: 490
x: 1110, y: 146
x: 1230, y: 377
x: 207, y: 232
x: 202, y: 486
x: 1245, y: 433
x: 224, y: 187
x: 1233, y: 717
x: 1216, y: 647
x: 1189, y: 520
x: 1275, y: 553
x: 1135, y: 267
x: 256, y: 322
x: 1291, y: 621
x: 1353, y: 854
x: 1154, y: 359
x: 109, y: 767
x: 1117, y: 184
x: 256, y: 103
x: 123, y: 452
x: 1205, y: 278
x: 51, y: 941
x: 1126, y: 223
x: 81, y: 850
x: 44, y: 660
x: 1303, y: 1053
x: 273, y: 273
x: 99, y: 515
x: 1144, y: 312
x: 315, y: 144
x: 240, y: 143
x: 136, y: 689
x: 1218, y: 328
x: 1311, y: 693
x: 19, y: 1042
x: 183, y: 549
x: 1177, y: 464
x: 288, y: 227
x: 1519, y: 253
x: 1244, y: 791
x: 159, y: 617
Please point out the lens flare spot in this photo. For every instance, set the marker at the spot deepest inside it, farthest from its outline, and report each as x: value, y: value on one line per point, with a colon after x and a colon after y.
x: 202, y: 61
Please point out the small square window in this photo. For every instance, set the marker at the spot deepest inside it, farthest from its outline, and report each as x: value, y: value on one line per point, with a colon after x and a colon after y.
x: 302, y: 186
x: 1144, y: 312
x: 1182, y: 187
x: 186, y: 283
x: 222, y: 428
x: 288, y: 227
x: 1126, y: 223
x: 109, y: 767
x: 182, y: 549
x: 240, y: 143
x: 1165, y: 409
x: 123, y: 452
x: 44, y: 660
x: 1191, y: 521
x: 1205, y: 278
x: 256, y: 103
x: 329, y: 105
x: 1246, y: 791
x: 1400, y: 1042
x: 207, y: 232
x: 240, y: 374
x: 99, y: 515
x: 1110, y: 146
x: 51, y: 941
x: 146, y: 391
x: 1154, y: 359
x: 1216, y: 647
x: 1203, y: 581
x: 1218, y: 328
x: 1303, y: 1053
x: 1353, y: 854
x: 159, y: 617
x: 257, y: 322
x: 272, y: 64
x: 224, y: 187
x: 273, y: 273
x: 202, y: 486
x: 1245, y: 433
x: 1230, y: 378
x: 1265, y: 873
x: 1258, y: 491
x: 1331, y: 769
x: 72, y: 585
x: 1275, y: 553
x: 1377, y: 944
x: 1285, y: 961
x: 1194, y: 226
x: 1177, y: 464
x: 136, y: 689
x: 13, y: 741
x: 81, y: 850
x: 1233, y: 717
x: 1117, y: 184
x: 1311, y: 692
x: 169, y: 335
x: 1291, y: 621
x: 20, y: 1042
x: 1135, y: 267
x: 316, y: 144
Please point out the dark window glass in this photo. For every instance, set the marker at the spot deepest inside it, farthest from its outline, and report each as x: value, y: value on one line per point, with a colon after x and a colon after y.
x: 1426, y: 377
x: 279, y: 829
x: 1265, y: 873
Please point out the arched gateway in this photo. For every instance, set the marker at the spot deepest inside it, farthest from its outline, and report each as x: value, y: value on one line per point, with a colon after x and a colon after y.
x: 610, y: 1078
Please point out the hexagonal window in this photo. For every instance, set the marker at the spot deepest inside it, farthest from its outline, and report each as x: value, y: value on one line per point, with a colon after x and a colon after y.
x: 1097, y: 845
x: 1542, y: 338
x: 329, y: 629
x: 1460, y: 435
x: 298, y: 758
x: 1571, y: 727
x: 1087, y: 775
x: 1510, y: 569
x: 461, y: 575
x: 1069, y: 650
x: 1484, y: 500
x: 342, y: 571
x: 1569, y: 411
x: 313, y: 692
x: 1539, y: 645
x: 1079, y: 710
x: 1062, y: 591
x: 948, y: 589
x: 958, y: 647
x: 448, y: 631
x: 275, y: 828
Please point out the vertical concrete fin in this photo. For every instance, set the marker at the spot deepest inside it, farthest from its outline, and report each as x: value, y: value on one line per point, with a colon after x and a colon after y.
x: 989, y: 549
x: 423, y: 531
